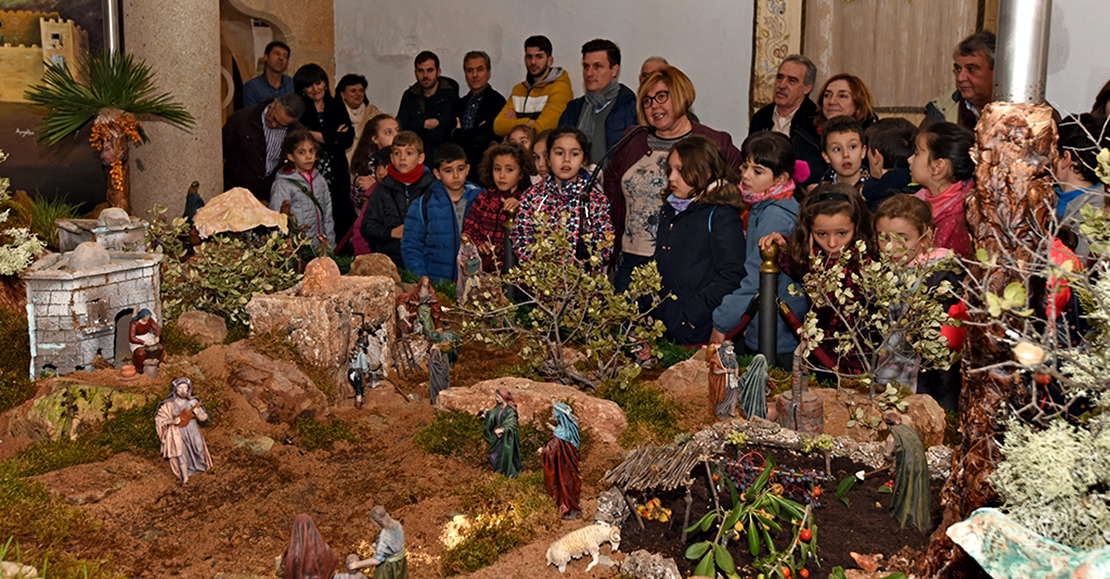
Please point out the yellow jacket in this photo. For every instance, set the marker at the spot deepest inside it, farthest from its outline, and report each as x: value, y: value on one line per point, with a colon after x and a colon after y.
x: 543, y: 101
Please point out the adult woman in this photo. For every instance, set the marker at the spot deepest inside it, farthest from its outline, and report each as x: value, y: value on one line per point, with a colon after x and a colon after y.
x: 327, y: 118
x: 1101, y: 108
x: 561, y: 477
x: 844, y: 94
x: 352, y: 90
x: 636, y: 180
x: 500, y: 432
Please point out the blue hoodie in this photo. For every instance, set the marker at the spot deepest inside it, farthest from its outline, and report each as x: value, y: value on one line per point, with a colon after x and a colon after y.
x: 430, y: 245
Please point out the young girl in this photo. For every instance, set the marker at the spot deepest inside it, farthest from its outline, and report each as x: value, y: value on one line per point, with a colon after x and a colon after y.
x: 768, y: 186
x: 522, y: 136
x: 561, y: 194
x: 381, y: 169
x: 699, y: 231
x: 505, y: 171
x: 539, y: 155
x: 904, y: 225
x: 831, y: 219
x: 377, y: 135
x: 302, y: 185
x: 942, y: 164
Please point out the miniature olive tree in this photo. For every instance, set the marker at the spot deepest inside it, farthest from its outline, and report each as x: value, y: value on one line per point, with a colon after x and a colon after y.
x: 18, y: 247
x: 567, y: 302
x: 112, y: 91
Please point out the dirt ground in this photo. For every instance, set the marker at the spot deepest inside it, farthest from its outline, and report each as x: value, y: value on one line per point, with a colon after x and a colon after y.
x: 236, y: 518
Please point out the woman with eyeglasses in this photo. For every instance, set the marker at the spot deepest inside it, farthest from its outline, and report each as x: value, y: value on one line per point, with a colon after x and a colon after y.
x: 636, y: 178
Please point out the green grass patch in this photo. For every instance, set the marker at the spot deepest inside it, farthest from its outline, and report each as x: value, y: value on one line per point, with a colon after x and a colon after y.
x: 673, y: 353
x: 457, y: 434
x: 652, y: 418
x: 312, y: 435
x: 16, y: 386
x: 505, y: 513
x: 45, y: 211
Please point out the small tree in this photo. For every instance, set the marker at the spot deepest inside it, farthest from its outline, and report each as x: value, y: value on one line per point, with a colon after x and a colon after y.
x: 115, y: 91
x: 568, y: 302
x: 884, y: 306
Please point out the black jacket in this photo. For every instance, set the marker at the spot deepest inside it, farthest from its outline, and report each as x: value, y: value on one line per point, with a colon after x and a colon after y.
x: 700, y: 255
x: 335, y: 145
x: 803, y: 134
x: 893, y: 182
x: 477, y: 139
x: 386, y: 209
x: 416, y: 108
x: 244, y: 143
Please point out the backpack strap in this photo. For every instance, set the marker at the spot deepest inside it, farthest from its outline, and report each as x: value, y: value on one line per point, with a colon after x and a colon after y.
x: 711, y: 211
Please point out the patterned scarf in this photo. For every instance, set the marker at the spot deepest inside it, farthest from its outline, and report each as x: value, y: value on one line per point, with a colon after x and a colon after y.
x: 784, y: 191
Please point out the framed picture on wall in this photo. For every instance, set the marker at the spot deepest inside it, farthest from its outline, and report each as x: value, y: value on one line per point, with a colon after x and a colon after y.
x: 33, y: 35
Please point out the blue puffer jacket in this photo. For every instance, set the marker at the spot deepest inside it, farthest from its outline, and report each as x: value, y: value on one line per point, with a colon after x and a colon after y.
x: 622, y: 116
x: 430, y: 245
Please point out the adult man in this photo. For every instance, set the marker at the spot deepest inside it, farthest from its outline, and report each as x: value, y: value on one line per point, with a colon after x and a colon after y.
x: 608, y: 107
x: 541, y: 98
x: 427, y: 106
x: 792, y: 112
x: 652, y: 64
x: 273, y: 82
x: 474, y: 114
x: 973, y: 65
x: 252, y: 143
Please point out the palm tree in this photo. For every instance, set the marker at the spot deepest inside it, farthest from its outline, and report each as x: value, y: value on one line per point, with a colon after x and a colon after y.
x: 112, y: 91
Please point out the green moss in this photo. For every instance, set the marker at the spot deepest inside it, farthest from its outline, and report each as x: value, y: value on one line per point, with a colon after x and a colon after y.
x: 457, y: 434
x: 673, y: 353
x: 16, y: 386
x: 177, y: 343
x: 506, y: 513
x: 312, y: 435
x: 236, y: 332
x: 952, y: 436
x: 133, y: 429
x: 652, y: 418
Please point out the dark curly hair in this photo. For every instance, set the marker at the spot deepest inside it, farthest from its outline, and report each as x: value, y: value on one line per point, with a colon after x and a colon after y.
x: 523, y: 159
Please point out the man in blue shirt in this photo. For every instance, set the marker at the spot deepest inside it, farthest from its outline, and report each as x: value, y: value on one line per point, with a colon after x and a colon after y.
x: 273, y: 82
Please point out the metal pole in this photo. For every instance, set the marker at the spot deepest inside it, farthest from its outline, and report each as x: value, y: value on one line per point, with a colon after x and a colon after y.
x: 1021, y: 64
x: 768, y: 303
x: 113, y: 39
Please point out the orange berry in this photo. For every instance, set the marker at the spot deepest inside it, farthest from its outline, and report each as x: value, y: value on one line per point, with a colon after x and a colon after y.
x: 786, y: 572
x: 804, y: 573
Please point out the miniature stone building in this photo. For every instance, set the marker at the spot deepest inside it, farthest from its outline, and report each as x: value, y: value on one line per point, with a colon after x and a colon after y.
x: 76, y: 301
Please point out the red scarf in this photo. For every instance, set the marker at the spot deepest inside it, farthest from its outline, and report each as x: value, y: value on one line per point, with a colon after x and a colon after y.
x: 406, y: 178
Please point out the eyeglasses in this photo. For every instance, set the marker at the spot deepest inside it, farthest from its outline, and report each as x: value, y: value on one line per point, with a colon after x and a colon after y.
x: 660, y: 97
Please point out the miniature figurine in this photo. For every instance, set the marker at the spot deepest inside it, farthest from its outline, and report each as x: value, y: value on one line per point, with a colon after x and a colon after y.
x: 357, y: 369
x: 376, y: 354
x: 308, y: 555
x: 911, y: 478
x: 442, y: 355
x: 575, y: 544
x: 469, y: 277
x: 724, y: 379
x: 176, y: 423
x: 500, y: 432
x: 390, y: 561
x: 144, y: 337
x: 419, y: 311
x: 560, y: 462
x: 753, y: 388
x: 641, y: 355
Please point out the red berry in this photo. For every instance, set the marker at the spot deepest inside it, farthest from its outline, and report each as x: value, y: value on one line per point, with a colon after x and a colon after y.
x: 1042, y: 379
x: 807, y: 535
x: 716, y: 477
x: 786, y: 572
x: 816, y: 491
x: 804, y: 573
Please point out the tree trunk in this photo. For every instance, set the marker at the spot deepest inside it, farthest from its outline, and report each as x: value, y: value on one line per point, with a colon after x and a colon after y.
x: 113, y: 132
x: 119, y: 176
x: 1006, y: 214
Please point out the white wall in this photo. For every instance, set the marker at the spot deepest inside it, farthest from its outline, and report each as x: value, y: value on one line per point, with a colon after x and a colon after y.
x: 1078, y: 47
x: 711, y: 43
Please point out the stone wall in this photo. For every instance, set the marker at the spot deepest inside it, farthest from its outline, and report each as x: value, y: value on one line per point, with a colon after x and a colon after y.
x: 20, y: 67
x: 72, y: 314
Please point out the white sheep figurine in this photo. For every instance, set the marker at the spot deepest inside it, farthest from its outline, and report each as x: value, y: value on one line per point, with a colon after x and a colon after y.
x: 585, y: 540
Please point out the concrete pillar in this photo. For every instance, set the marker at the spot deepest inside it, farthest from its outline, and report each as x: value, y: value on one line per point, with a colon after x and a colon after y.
x: 181, y: 41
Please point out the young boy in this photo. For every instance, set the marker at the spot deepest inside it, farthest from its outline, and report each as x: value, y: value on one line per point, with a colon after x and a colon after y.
x: 843, y: 149
x: 434, y: 222
x: 383, y: 225
x: 1081, y: 139
x: 889, y: 142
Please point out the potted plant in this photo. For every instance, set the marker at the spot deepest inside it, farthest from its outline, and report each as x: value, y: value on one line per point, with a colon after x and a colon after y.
x: 112, y: 91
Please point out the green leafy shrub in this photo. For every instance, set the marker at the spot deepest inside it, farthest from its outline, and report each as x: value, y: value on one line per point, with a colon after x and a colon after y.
x: 672, y: 353
x: 177, y: 343
x: 225, y: 271
x: 312, y: 435
x: 504, y: 513
x: 652, y: 418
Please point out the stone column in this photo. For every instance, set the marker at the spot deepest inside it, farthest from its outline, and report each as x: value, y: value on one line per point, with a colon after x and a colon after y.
x: 181, y: 41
